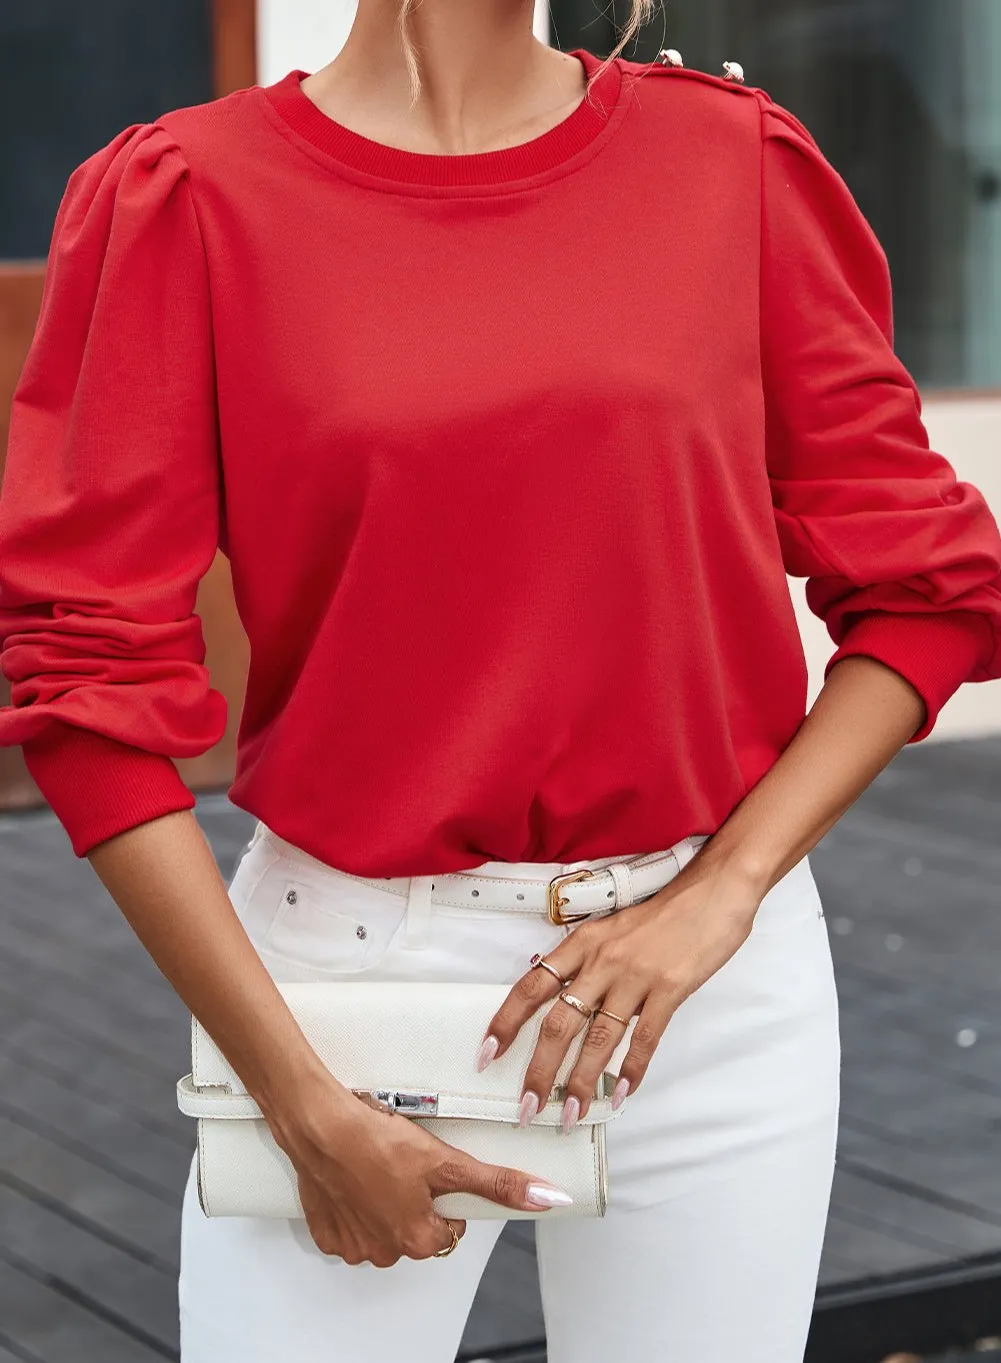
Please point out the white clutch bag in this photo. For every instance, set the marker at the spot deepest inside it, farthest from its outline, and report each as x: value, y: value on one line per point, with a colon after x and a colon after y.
x: 410, y: 1046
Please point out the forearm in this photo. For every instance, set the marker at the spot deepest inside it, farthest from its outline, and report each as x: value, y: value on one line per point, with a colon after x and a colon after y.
x: 863, y: 716
x: 165, y: 880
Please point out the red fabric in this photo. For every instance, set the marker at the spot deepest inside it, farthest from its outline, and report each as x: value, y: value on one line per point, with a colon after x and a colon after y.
x: 510, y: 452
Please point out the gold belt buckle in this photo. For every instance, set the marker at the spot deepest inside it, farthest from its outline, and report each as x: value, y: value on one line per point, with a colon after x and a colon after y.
x: 555, y: 901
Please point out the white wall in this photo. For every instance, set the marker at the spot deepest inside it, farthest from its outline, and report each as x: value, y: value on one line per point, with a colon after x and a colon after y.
x: 306, y: 34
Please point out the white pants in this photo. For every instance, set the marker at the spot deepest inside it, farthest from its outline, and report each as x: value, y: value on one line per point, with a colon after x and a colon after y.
x: 720, y: 1165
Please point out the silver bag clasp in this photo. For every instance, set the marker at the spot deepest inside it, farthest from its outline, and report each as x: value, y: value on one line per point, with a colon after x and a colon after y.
x: 393, y: 1100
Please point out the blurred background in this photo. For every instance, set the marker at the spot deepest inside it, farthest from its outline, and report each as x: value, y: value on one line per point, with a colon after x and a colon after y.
x: 904, y: 98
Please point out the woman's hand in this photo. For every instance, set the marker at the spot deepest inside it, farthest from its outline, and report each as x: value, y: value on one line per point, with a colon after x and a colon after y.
x: 367, y: 1178
x: 646, y: 960
x: 649, y: 957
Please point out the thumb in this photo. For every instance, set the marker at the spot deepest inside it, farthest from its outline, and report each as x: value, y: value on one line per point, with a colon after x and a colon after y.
x: 497, y: 1183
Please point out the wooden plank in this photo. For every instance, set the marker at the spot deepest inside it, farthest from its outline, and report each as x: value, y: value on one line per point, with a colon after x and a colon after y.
x: 134, y: 1291
x: 507, y: 1306
x: 835, y: 1269
x: 124, y: 1069
x: 82, y: 1066
x: 912, y: 1217
x: 75, y: 971
x: 142, y: 1042
x: 926, y: 1104
x: 970, y: 1187
x: 521, y: 1233
x: 51, y: 1324
x: 22, y: 1355
x: 876, y: 1250
x: 93, y: 1128
x: 141, y: 1220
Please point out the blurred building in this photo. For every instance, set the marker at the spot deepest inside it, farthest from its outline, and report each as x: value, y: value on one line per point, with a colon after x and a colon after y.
x: 903, y: 97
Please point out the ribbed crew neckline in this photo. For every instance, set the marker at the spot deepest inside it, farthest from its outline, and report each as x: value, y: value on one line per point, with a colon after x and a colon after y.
x: 548, y: 153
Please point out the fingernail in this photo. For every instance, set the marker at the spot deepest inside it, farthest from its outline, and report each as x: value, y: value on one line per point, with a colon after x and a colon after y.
x: 487, y: 1052
x: 619, y: 1093
x: 529, y: 1107
x: 543, y: 1195
x: 571, y: 1111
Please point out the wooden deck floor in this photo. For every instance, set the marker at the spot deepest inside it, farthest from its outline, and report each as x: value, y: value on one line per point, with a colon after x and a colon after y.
x: 93, y: 1153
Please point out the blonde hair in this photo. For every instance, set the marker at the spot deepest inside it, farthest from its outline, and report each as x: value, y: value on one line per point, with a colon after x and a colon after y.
x: 641, y: 12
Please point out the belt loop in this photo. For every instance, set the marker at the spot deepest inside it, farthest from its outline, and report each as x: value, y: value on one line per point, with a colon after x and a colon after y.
x: 623, y: 882
x: 686, y: 849
x: 418, y: 922
x: 259, y: 832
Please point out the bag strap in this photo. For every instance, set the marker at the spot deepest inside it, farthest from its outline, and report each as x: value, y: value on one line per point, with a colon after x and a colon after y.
x: 217, y: 1101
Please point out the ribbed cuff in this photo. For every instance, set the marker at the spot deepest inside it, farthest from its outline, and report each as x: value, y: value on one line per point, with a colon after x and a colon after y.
x: 935, y: 652
x: 97, y: 786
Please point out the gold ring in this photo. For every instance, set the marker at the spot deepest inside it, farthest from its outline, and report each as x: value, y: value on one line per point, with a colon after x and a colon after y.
x: 443, y: 1253
x: 538, y: 961
x: 609, y: 1014
x: 577, y: 1003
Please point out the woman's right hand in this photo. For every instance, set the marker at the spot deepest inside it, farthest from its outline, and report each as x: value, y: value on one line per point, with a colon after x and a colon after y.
x: 367, y: 1178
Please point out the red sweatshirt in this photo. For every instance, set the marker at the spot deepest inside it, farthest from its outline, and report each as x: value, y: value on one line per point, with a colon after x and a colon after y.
x: 510, y: 452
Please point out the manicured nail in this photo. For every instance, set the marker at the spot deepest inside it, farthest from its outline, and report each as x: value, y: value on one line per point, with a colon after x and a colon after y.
x: 619, y: 1093
x: 487, y: 1052
x: 529, y: 1107
x: 543, y: 1195
x: 571, y: 1111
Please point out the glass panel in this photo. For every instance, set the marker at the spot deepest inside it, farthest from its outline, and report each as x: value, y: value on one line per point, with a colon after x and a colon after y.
x: 71, y: 76
x: 903, y: 98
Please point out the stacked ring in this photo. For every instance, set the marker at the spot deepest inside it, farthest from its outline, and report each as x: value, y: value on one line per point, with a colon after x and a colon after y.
x: 609, y: 1014
x: 577, y: 1003
x: 443, y: 1253
x: 537, y: 961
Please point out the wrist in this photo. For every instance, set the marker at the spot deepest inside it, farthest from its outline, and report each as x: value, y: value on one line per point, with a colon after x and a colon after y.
x: 292, y: 1091
x: 740, y: 863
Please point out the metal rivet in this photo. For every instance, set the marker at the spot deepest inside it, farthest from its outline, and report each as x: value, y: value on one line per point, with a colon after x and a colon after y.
x: 669, y: 56
x: 291, y: 897
x: 610, y: 895
x: 361, y: 931
x: 520, y: 895
x: 474, y: 893
x: 733, y: 71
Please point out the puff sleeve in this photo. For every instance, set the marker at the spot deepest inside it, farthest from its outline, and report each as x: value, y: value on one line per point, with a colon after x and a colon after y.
x: 109, y: 509
x: 903, y: 561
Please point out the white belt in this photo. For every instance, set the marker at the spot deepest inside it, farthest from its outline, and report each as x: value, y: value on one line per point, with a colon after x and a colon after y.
x: 580, y: 891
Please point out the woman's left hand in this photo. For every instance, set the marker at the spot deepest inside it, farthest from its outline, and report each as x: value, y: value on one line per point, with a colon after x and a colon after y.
x: 646, y: 960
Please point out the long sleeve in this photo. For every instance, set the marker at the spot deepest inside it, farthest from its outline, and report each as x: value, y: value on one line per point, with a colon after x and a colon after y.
x: 109, y: 511
x: 903, y: 561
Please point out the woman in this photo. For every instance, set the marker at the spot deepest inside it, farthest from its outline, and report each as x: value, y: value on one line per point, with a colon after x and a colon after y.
x: 509, y: 514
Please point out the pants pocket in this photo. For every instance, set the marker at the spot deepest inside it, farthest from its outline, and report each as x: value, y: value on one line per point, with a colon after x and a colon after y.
x: 304, y: 932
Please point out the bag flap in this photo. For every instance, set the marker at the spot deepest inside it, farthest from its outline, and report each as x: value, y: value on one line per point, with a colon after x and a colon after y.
x: 409, y: 1037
